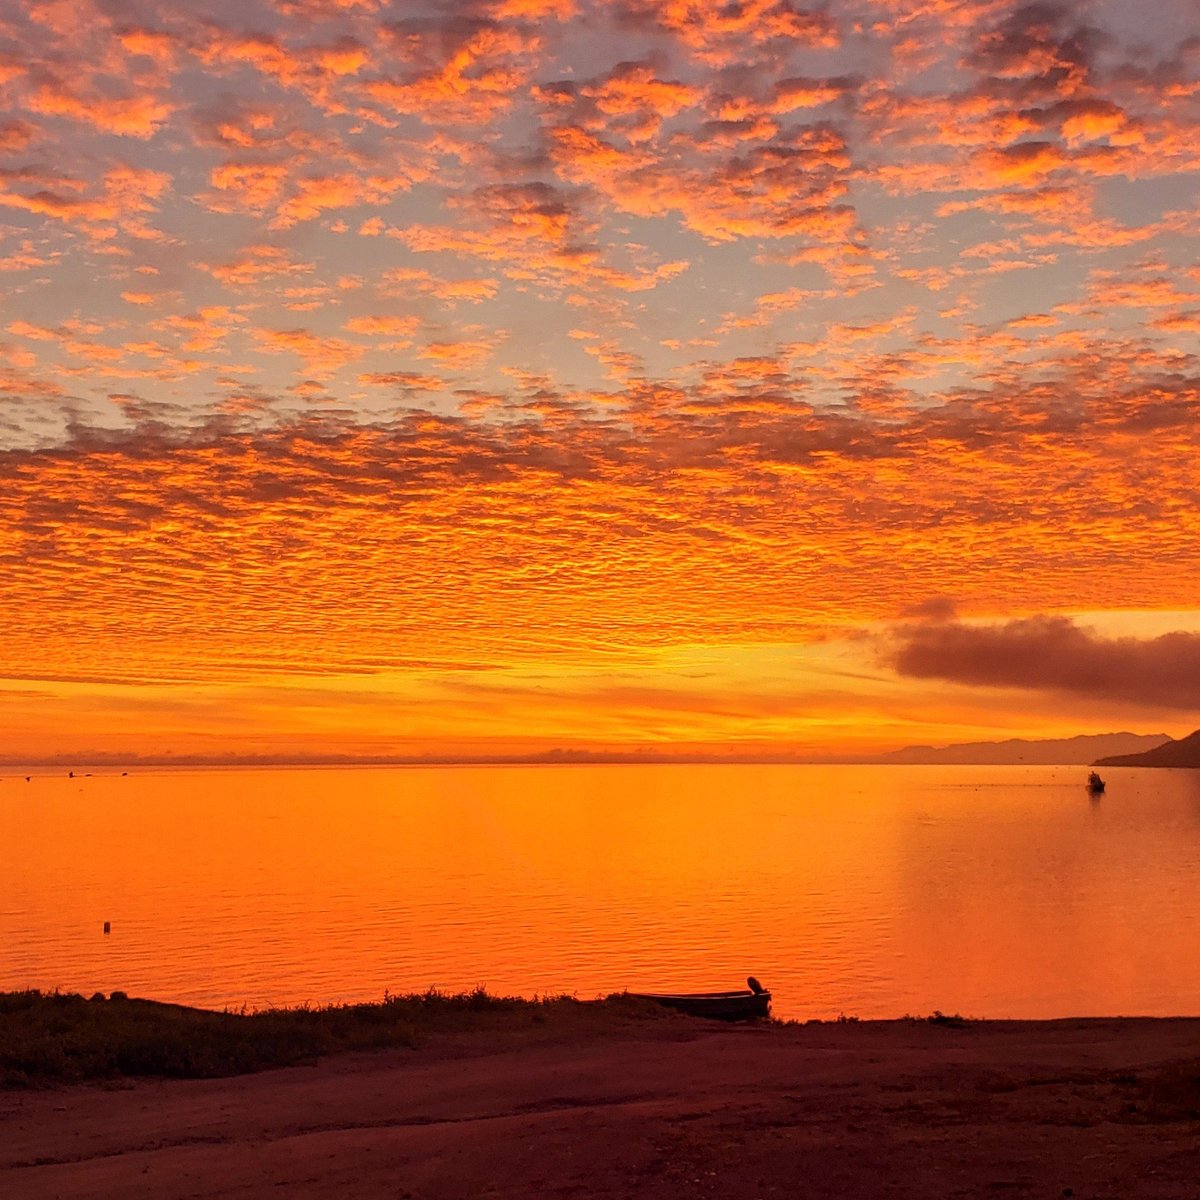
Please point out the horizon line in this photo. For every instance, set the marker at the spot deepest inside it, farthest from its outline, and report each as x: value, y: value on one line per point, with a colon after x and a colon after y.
x: 543, y: 758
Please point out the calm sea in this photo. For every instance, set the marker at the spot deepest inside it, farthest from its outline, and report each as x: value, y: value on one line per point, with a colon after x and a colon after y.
x: 869, y: 891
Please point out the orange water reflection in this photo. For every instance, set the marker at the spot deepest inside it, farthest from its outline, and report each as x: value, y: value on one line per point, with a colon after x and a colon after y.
x: 873, y: 891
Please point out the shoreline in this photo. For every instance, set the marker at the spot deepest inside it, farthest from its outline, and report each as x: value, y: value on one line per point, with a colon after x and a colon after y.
x: 596, y: 1102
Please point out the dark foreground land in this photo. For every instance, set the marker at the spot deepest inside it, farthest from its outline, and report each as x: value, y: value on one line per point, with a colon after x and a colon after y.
x: 612, y: 1100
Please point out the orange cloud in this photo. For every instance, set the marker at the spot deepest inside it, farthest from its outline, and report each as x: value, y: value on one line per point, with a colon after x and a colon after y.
x: 407, y: 383
x: 392, y: 327
x: 720, y: 36
x: 534, y: 232
x: 149, y: 43
x: 461, y: 354
x: 25, y: 329
x: 790, y: 187
x: 256, y: 264
x: 319, y: 355
x: 534, y: 10
x: 203, y: 331
x: 561, y: 537
x: 119, y: 202
x: 459, y: 73
x: 256, y: 186
x: 635, y: 101
x: 16, y: 135
x: 403, y: 281
x: 314, y: 195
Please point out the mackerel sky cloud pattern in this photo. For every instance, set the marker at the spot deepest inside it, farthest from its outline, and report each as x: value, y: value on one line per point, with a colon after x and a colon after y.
x: 635, y: 355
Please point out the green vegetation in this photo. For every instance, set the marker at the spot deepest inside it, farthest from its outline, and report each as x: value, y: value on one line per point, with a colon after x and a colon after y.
x: 48, y: 1037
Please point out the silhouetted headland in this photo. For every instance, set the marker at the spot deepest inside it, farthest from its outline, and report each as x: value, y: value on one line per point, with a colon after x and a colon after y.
x: 1182, y: 753
x: 1040, y: 752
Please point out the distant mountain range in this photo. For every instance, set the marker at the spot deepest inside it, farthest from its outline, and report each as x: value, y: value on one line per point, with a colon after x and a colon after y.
x: 1182, y: 753
x: 1047, y: 752
x: 1103, y: 749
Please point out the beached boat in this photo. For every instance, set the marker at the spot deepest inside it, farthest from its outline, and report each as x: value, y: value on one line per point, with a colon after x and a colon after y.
x: 1095, y: 783
x: 745, y: 1004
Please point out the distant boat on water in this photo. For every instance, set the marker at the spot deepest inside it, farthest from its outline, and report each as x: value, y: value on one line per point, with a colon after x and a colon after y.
x: 744, y: 1004
x: 1095, y: 784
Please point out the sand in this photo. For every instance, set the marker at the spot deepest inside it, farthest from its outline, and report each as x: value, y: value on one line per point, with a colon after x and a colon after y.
x: 649, y: 1109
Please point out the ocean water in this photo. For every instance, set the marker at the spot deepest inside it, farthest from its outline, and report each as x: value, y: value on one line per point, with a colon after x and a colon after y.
x: 865, y: 891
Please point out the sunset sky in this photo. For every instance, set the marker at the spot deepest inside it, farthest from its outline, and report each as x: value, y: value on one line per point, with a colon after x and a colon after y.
x: 469, y: 378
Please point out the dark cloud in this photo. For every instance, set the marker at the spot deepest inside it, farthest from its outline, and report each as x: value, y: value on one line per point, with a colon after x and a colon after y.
x: 936, y: 608
x: 1043, y: 43
x: 1046, y: 653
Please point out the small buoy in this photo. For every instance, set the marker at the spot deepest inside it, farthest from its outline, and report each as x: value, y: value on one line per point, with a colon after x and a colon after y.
x: 108, y: 927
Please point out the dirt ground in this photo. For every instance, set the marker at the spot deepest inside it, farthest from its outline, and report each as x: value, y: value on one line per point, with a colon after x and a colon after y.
x: 1094, y: 1109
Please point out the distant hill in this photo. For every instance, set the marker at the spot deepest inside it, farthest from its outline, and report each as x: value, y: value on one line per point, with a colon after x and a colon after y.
x: 1047, y: 752
x: 1183, y: 753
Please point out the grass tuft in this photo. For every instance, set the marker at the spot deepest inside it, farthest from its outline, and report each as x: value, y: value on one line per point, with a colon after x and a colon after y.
x: 947, y: 1021
x: 60, y: 1037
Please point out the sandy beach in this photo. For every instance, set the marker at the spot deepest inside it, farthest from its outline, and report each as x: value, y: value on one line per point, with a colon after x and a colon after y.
x: 661, y: 1108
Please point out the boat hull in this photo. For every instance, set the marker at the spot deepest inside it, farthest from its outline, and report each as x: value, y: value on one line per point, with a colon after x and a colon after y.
x: 717, y: 1006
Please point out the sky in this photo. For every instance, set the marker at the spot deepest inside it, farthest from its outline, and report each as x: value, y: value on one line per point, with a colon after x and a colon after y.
x: 496, y: 377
